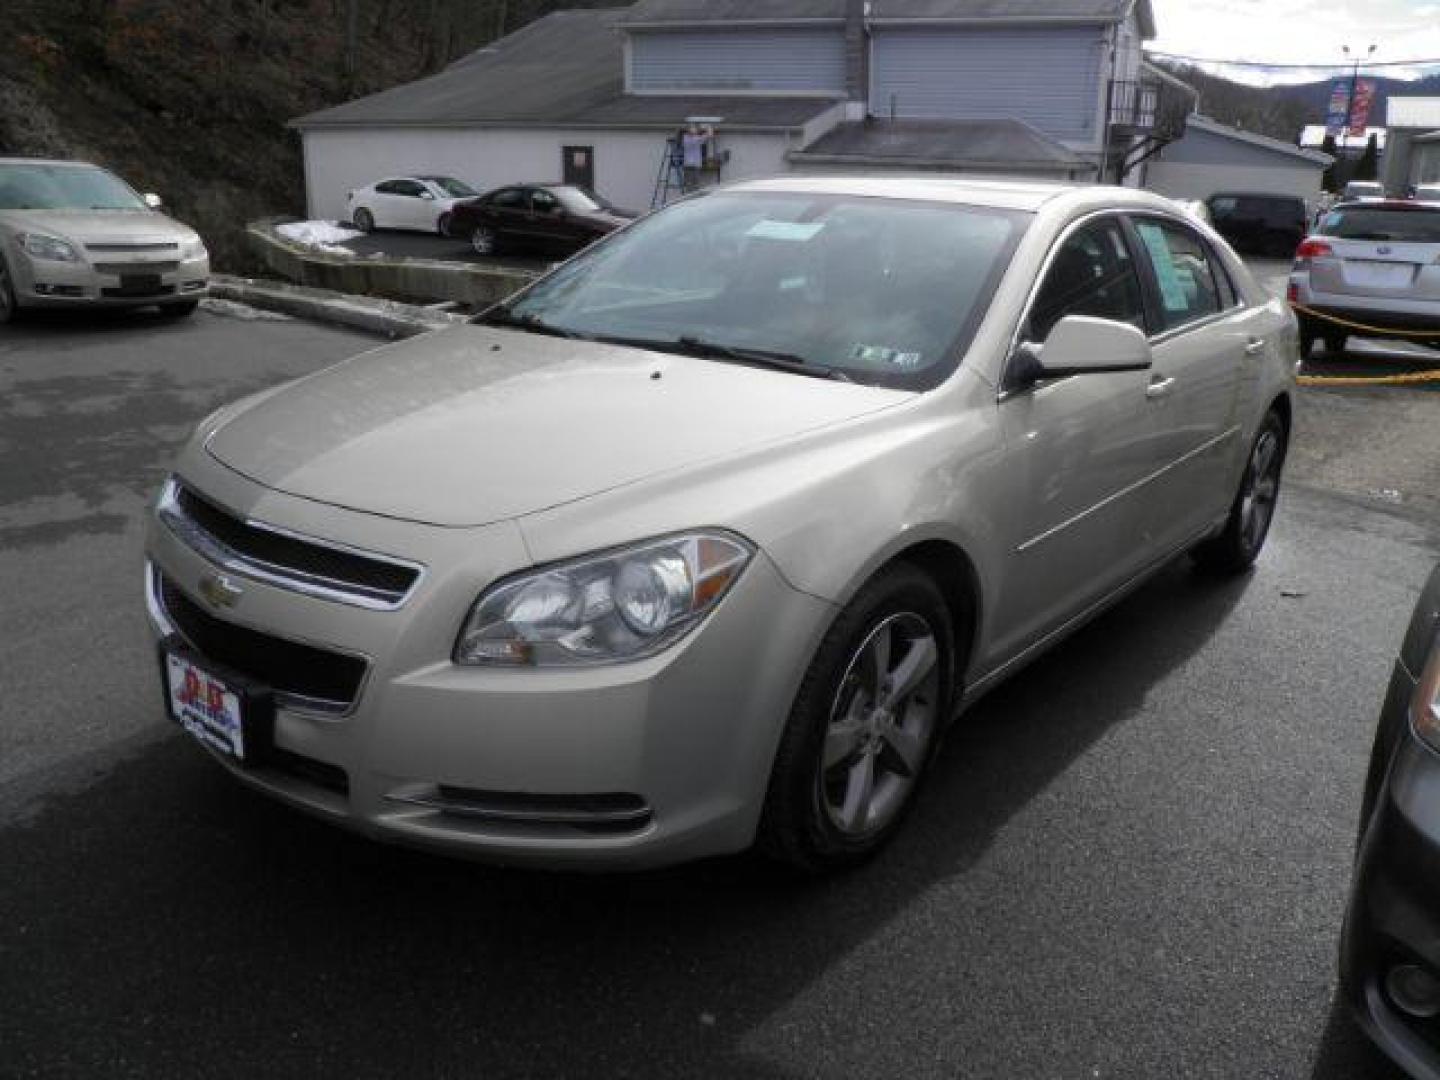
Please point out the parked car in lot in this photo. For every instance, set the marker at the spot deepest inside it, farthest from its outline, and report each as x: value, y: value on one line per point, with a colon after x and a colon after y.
x: 1363, y: 189
x: 554, y: 217
x: 1263, y: 224
x: 408, y: 202
x: 1390, y: 948
x: 1373, y: 263
x: 701, y: 540
x: 76, y: 235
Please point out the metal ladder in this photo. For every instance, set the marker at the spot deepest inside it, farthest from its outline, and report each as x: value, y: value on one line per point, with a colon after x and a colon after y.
x: 671, y: 176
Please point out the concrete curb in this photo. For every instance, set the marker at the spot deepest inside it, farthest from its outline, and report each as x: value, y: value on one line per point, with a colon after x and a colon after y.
x: 387, y: 318
x: 474, y: 285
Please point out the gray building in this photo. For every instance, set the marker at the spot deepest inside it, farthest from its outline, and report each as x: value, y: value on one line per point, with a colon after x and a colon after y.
x: 1042, y: 88
x: 1214, y: 157
x: 1413, y: 153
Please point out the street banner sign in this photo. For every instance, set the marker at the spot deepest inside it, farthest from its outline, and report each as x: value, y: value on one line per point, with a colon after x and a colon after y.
x: 1335, y: 119
x: 1360, y: 107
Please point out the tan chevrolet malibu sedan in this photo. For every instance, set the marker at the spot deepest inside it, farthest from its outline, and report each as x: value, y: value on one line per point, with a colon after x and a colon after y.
x: 75, y: 235
x: 701, y: 541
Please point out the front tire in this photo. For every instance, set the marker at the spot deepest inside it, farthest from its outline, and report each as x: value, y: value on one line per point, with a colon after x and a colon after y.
x: 863, y: 728
x: 442, y: 224
x: 9, y: 309
x: 364, y: 220
x: 1239, y: 543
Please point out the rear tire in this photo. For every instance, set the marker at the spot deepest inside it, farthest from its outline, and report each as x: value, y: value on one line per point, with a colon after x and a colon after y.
x: 1309, y: 334
x: 364, y: 220
x: 1239, y: 544
x: 1335, y: 341
x: 863, y: 727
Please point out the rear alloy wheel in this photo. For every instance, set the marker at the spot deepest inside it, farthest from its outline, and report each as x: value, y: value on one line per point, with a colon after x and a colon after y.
x: 9, y: 310
x: 863, y: 728
x: 485, y: 240
x: 1238, y: 545
x: 364, y: 220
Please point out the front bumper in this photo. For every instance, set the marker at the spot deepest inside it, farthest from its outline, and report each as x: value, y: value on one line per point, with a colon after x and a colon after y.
x: 656, y: 761
x: 1393, y: 917
x: 46, y: 283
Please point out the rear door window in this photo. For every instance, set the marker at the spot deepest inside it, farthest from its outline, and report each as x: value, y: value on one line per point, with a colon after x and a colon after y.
x: 1093, y: 273
x: 509, y: 199
x: 1181, y: 270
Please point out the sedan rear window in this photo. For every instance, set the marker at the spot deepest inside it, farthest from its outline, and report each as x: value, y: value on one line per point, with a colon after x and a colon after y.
x: 1406, y: 224
x: 882, y: 291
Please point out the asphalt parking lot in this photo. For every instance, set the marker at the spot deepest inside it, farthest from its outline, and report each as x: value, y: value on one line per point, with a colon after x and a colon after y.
x: 1130, y: 862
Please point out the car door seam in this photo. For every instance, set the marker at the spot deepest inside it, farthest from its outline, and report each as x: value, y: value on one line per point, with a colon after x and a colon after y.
x: 1114, y: 497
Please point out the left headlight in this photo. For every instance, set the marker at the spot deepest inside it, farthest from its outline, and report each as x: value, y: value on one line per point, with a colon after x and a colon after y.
x: 42, y: 246
x: 193, y: 249
x: 1425, y: 708
x: 620, y: 605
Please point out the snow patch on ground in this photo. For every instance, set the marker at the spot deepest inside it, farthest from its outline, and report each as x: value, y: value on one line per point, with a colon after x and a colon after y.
x: 320, y: 235
x: 232, y: 310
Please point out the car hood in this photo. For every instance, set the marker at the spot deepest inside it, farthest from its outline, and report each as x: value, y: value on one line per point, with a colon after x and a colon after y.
x: 477, y: 424
x: 100, y: 226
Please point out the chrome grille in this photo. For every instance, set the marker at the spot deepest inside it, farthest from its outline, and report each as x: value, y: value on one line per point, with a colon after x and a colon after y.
x: 133, y: 247
x: 303, y: 677
x: 288, y: 560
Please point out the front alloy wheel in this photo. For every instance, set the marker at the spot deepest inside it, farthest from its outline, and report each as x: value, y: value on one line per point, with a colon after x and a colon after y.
x: 881, y: 724
x: 863, y: 727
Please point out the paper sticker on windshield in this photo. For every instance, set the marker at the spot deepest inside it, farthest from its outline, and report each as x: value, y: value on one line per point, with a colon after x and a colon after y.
x: 794, y: 231
x: 884, y: 356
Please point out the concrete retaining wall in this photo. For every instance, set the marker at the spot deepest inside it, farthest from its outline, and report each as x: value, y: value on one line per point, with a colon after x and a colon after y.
x: 425, y: 280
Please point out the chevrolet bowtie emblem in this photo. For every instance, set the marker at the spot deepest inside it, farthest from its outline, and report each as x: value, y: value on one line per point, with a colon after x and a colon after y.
x: 220, y: 591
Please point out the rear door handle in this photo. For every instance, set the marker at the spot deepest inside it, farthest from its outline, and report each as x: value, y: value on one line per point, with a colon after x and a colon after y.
x: 1255, y: 346
x: 1160, y: 387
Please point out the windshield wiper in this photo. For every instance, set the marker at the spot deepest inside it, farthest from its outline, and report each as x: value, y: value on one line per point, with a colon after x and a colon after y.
x: 503, y: 316
x: 770, y: 358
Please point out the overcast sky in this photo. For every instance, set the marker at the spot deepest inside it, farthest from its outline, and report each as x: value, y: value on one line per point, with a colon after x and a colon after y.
x: 1298, y: 32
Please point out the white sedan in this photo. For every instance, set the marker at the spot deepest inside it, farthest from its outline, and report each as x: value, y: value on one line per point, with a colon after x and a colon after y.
x: 408, y: 202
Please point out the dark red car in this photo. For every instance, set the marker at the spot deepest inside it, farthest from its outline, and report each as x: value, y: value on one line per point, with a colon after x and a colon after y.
x: 556, y: 217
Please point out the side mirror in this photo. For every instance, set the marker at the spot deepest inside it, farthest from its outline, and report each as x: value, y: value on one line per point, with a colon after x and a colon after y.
x: 1081, y: 345
x: 153, y: 201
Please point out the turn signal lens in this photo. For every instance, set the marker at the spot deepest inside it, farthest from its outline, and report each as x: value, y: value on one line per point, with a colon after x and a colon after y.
x: 1425, y: 706
x: 620, y: 605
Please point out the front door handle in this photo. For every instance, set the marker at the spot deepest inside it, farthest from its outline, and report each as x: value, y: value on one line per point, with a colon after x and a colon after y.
x: 1160, y: 387
x: 1255, y: 346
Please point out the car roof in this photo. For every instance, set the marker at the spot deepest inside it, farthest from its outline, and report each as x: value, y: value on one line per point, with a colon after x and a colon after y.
x: 997, y: 193
x: 45, y: 161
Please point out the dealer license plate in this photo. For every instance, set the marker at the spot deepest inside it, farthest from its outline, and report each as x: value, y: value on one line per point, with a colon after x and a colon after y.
x: 206, y: 706
x: 1379, y: 275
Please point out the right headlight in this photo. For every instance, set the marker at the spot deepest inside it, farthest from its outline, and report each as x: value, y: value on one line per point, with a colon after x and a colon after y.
x: 607, y: 608
x: 43, y: 246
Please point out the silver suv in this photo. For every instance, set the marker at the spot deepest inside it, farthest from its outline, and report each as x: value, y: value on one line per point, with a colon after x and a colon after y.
x: 1372, y: 264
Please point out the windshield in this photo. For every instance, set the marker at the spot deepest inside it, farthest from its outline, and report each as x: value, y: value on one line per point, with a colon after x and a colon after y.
x: 1407, y: 224
x: 881, y: 291
x: 578, y: 200
x: 456, y: 189
x: 64, y: 187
